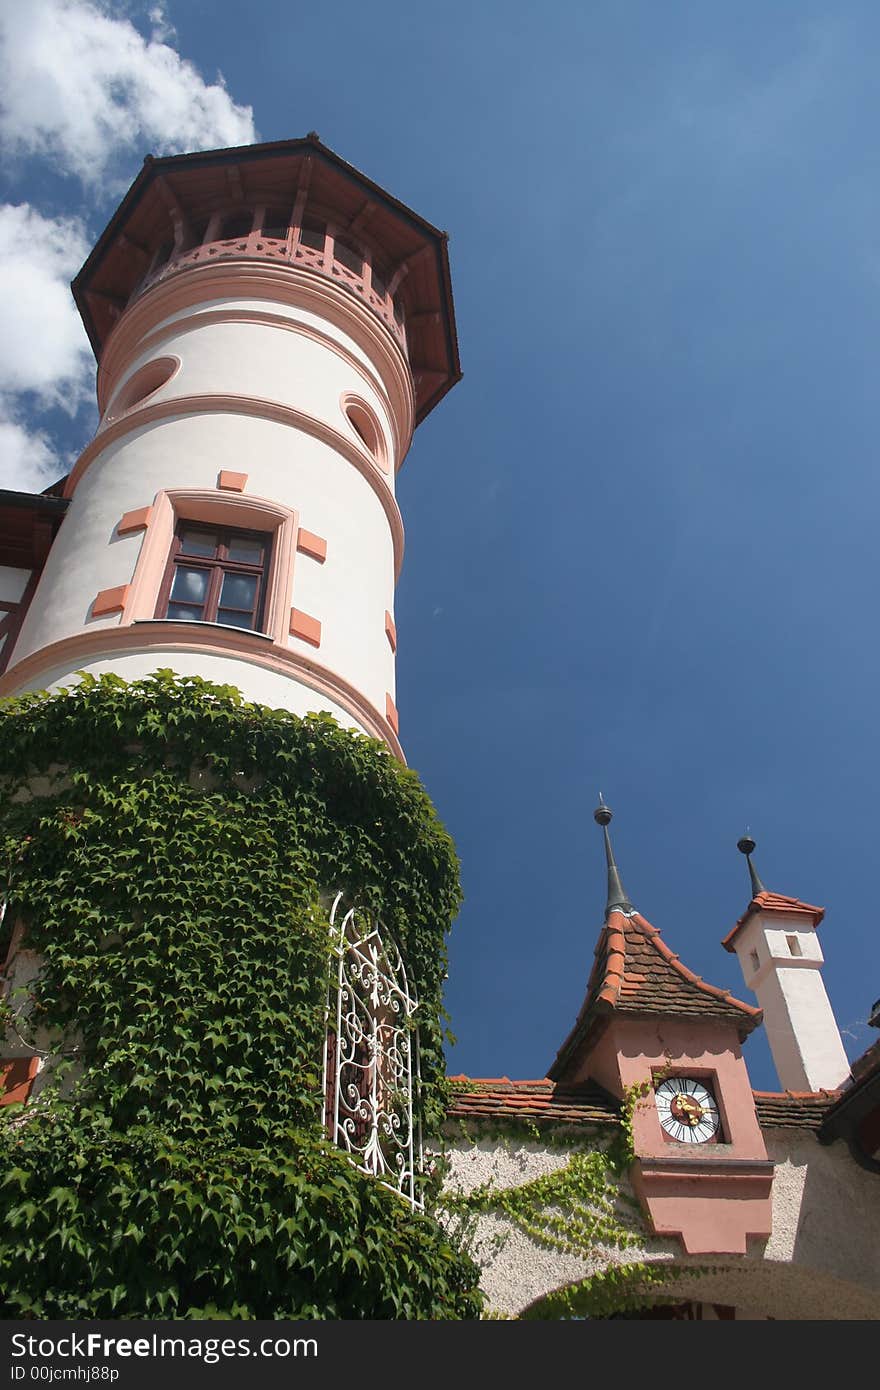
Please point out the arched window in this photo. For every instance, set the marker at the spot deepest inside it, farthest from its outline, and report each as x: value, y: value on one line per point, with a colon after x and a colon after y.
x: 371, y: 1053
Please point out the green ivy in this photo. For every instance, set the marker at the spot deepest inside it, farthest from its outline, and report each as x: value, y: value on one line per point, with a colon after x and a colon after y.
x: 171, y: 851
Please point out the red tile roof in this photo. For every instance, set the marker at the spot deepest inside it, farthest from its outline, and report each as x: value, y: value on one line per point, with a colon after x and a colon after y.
x: 768, y: 903
x: 496, y: 1100
x: 793, y: 1109
x: 541, y: 1102
x: 635, y: 972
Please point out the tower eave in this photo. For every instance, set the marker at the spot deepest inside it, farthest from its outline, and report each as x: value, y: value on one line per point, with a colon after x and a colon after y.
x: 192, y: 187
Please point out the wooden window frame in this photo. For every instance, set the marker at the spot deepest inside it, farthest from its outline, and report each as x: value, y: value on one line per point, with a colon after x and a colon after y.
x: 219, y: 565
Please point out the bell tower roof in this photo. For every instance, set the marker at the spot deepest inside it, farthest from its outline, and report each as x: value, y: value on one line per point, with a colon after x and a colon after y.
x: 766, y: 903
x: 290, y: 202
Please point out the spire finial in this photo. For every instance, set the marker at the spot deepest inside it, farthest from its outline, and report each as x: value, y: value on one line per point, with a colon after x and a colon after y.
x: 616, y: 894
x: 746, y: 846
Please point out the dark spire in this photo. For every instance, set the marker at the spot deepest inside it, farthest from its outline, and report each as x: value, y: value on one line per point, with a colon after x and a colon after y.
x: 746, y: 846
x: 616, y: 895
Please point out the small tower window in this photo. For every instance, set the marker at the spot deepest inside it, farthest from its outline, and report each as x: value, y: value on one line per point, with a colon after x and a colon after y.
x: 216, y: 576
x: 753, y: 959
x: 371, y: 1053
x: 794, y: 946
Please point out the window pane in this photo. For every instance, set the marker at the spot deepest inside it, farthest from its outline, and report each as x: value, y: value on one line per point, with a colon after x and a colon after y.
x: 234, y: 618
x: 239, y: 591
x: 245, y: 551
x: 181, y: 610
x: 190, y: 585
x: 198, y: 542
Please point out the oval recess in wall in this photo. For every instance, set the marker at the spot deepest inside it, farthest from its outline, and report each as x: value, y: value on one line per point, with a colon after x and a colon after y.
x: 142, y: 384
x: 365, y: 423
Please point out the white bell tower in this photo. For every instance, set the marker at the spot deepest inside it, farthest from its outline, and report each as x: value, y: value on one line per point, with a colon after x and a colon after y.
x: 778, y: 950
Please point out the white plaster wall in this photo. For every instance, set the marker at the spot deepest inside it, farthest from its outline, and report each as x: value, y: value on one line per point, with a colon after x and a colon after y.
x: 821, y: 1261
x: 12, y: 583
x: 349, y: 593
x: 295, y: 313
x: 266, y: 362
x: 815, y: 1038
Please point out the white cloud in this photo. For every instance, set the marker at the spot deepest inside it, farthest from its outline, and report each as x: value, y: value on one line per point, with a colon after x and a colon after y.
x: 81, y: 87
x: 45, y: 358
x: 43, y: 347
x: 28, y: 461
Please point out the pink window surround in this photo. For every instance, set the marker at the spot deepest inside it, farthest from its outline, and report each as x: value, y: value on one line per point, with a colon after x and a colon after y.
x: 110, y: 601
x: 390, y: 631
x: 231, y: 482
x: 134, y: 521
x: 304, y: 626
x: 260, y: 409
x: 307, y: 543
x: 391, y: 713
x: 215, y: 509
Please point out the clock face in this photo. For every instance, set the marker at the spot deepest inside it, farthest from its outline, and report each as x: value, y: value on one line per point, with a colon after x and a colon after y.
x: 687, y: 1110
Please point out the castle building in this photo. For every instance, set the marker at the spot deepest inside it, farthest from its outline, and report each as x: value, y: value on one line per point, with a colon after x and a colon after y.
x: 270, y: 327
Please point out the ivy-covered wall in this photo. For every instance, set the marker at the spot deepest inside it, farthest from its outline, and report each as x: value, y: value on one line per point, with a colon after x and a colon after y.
x: 170, y: 851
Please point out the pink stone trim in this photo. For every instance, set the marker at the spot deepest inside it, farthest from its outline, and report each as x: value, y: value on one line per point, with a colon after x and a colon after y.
x: 70, y: 652
x: 304, y: 626
x: 216, y: 508
x: 390, y: 631
x: 110, y: 601
x: 310, y: 544
x: 231, y: 482
x: 149, y: 321
x: 262, y: 409
x: 134, y: 521
x: 391, y: 713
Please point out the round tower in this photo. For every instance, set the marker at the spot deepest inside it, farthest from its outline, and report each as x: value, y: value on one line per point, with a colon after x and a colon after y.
x: 270, y: 327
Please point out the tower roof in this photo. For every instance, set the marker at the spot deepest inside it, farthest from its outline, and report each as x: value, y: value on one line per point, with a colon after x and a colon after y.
x: 767, y: 903
x: 636, y: 974
x: 186, y: 190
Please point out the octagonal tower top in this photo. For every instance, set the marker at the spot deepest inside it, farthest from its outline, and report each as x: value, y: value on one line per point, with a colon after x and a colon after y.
x: 293, y: 202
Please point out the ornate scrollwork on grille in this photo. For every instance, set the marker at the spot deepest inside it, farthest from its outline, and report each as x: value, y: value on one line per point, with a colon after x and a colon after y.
x: 371, y: 1053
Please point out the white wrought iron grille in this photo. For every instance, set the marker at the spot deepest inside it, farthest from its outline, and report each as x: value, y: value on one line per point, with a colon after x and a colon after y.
x: 371, y: 1053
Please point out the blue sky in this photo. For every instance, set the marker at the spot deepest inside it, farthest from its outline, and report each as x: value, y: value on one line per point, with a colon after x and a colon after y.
x: 641, y: 533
